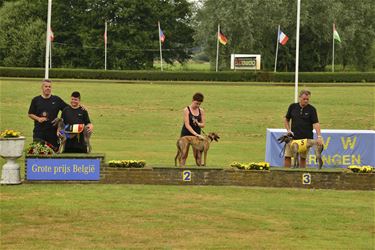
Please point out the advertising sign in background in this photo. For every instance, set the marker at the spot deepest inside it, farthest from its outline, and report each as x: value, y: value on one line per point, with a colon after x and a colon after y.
x: 63, y: 169
x: 245, y: 61
x: 342, y: 148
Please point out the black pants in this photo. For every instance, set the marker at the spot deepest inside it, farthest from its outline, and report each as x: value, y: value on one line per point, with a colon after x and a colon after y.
x: 48, y: 136
x: 75, y: 145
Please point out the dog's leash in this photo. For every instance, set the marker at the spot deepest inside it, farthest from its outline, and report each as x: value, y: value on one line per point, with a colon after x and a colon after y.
x: 282, y: 152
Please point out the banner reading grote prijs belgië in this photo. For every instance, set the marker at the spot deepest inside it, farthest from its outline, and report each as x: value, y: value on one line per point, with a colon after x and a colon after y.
x: 62, y: 169
x: 342, y: 148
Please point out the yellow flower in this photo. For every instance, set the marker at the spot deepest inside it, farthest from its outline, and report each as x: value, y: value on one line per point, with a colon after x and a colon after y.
x: 9, y: 133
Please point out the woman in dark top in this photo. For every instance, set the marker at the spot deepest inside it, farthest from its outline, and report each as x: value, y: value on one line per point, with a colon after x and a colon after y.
x: 194, y: 119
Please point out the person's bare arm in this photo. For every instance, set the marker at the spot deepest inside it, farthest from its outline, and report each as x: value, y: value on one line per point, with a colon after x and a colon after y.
x: 90, y: 127
x: 202, y: 124
x: 318, y: 133
x: 287, y: 125
x: 187, y: 124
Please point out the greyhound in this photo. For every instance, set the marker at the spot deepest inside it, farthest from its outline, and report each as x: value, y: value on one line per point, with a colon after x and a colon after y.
x: 296, y: 147
x: 63, y: 134
x: 201, y: 145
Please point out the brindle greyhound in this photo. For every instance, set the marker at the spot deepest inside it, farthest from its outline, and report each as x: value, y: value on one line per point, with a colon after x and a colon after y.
x: 295, y: 148
x: 201, y: 145
x: 63, y: 135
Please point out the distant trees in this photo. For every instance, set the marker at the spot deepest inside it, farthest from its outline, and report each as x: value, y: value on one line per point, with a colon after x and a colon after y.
x: 251, y: 27
x: 78, y: 26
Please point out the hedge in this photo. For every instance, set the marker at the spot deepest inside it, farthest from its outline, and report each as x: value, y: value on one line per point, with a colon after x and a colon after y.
x: 225, y: 76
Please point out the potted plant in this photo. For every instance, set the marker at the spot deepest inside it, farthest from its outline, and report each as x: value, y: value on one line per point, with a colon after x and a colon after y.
x: 11, y: 148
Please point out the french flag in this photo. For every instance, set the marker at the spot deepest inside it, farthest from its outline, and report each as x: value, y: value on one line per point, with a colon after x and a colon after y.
x: 283, y: 38
x: 162, y: 36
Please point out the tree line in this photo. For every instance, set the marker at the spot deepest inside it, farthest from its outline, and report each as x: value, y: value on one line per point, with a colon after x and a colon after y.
x: 250, y: 26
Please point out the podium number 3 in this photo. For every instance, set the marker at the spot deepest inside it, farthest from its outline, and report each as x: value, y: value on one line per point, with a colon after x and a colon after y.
x: 306, y: 179
x: 186, y: 175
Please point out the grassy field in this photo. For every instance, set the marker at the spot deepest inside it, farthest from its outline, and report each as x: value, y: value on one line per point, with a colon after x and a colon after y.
x: 143, y: 121
x: 170, y: 217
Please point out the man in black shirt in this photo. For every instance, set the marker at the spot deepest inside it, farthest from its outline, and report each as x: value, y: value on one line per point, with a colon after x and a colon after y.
x: 304, y: 119
x: 43, y: 110
x: 74, y: 116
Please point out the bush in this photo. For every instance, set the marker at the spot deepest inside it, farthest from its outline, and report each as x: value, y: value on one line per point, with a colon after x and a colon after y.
x: 251, y: 166
x: 361, y: 169
x: 325, y: 77
x: 224, y: 76
x: 126, y: 164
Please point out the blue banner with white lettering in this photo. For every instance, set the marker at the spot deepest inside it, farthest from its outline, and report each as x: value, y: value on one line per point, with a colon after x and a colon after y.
x: 342, y: 148
x: 63, y: 169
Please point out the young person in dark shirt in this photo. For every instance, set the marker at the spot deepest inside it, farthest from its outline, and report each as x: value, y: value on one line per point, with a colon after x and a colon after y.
x: 194, y: 120
x: 304, y: 119
x: 74, y: 115
x: 43, y: 110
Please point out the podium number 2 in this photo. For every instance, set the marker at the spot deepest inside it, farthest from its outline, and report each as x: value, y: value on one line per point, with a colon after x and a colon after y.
x: 186, y: 175
x: 306, y: 179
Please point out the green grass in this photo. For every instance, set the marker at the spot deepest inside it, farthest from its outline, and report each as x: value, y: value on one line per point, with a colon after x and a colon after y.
x: 142, y: 121
x: 171, y: 217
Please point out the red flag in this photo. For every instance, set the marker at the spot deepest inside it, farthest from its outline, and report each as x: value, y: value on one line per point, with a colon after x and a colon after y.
x: 162, y: 36
x: 283, y: 38
x: 105, y: 36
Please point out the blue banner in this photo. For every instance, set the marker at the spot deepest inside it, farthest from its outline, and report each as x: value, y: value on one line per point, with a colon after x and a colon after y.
x: 63, y: 169
x: 342, y: 148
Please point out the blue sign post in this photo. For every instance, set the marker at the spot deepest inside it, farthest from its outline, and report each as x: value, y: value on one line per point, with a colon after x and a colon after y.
x: 342, y: 148
x: 63, y: 169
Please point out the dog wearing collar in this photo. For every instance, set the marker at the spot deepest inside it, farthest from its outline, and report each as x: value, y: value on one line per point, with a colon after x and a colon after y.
x: 200, y: 144
x: 303, y: 145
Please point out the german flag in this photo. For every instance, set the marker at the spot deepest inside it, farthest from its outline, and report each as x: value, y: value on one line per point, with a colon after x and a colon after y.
x: 222, y: 39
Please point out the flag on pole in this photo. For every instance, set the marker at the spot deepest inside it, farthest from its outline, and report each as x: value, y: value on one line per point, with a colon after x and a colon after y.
x: 162, y: 36
x: 336, y: 34
x: 161, y: 40
x: 105, y: 36
x: 222, y: 39
x: 283, y: 39
x: 51, y: 35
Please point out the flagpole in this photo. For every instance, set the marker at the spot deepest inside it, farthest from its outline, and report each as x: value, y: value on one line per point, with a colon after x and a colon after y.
x: 50, y: 55
x: 297, y: 52
x: 333, y: 47
x: 161, y: 54
x: 217, y: 48
x: 277, y: 46
x: 105, y: 46
x: 48, y: 42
